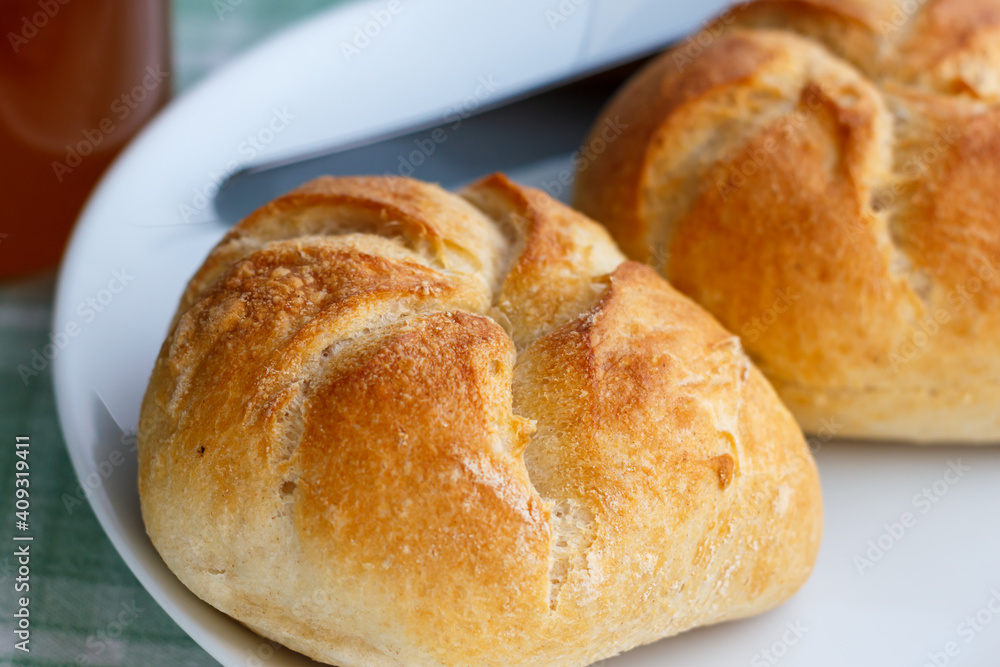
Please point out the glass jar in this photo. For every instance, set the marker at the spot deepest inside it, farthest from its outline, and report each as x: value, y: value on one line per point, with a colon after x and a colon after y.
x: 78, y: 78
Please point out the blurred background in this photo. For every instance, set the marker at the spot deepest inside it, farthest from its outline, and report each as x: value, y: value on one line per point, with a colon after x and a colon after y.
x: 80, y: 78
x: 58, y: 61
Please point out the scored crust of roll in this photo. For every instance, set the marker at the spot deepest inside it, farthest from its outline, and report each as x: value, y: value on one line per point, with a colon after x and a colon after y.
x: 822, y: 177
x: 396, y: 426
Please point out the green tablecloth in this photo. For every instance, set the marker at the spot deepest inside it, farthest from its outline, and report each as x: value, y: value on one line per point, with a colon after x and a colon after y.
x: 86, y: 607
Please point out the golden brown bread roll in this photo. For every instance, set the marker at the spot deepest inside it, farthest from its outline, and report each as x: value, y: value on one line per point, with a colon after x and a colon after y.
x: 396, y: 426
x: 824, y: 177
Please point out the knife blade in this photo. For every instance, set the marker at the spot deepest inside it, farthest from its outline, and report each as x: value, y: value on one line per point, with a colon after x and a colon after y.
x: 511, y: 135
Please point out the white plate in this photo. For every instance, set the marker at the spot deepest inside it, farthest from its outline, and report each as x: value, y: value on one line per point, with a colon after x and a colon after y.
x: 905, y: 608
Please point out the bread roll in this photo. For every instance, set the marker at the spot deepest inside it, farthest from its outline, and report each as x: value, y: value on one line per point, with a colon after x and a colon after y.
x: 396, y: 426
x: 824, y: 177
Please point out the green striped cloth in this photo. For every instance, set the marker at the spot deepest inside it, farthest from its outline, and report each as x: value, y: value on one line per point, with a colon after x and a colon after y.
x: 86, y: 606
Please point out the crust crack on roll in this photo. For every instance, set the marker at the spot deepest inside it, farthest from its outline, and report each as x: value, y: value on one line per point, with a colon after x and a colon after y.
x: 822, y: 177
x: 397, y: 426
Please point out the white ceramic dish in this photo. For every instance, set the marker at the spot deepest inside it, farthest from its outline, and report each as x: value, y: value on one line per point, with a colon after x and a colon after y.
x: 913, y: 600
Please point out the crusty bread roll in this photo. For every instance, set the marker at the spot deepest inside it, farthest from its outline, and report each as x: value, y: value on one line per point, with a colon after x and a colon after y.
x: 824, y: 177
x: 396, y: 426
